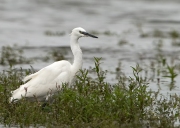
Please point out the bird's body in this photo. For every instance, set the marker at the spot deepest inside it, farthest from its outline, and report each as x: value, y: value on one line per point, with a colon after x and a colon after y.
x: 46, y: 82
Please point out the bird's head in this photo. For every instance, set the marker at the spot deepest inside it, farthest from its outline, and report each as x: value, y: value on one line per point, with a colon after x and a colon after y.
x: 80, y: 32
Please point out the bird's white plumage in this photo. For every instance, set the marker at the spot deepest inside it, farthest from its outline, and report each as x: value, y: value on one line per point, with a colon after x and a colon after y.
x: 45, y: 81
x: 48, y: 80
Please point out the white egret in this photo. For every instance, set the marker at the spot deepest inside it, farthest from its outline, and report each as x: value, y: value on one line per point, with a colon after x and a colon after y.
x: 44, y: 83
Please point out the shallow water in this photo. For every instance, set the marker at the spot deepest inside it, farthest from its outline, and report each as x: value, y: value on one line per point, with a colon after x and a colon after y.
x: 25, y: 23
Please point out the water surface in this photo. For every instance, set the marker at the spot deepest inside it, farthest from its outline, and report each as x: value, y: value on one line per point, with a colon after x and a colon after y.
x: 25, y: 23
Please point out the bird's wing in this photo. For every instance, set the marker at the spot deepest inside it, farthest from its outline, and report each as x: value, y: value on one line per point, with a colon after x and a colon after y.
x: 45, y: 80
x: 31, y: 76
x: 50, y: 72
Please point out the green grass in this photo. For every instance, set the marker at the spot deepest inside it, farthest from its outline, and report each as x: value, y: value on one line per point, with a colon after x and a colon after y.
x: 90, y: 102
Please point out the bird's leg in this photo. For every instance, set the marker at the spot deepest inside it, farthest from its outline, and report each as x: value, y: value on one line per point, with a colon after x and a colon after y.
x: 25, y: 88
x: 49, y: 95
x: 58, y: 87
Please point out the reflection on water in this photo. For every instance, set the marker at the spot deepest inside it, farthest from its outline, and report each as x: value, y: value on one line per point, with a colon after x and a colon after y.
x: 26, y: 23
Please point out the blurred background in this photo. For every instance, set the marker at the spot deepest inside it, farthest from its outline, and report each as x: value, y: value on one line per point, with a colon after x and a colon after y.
x: 36, y: 33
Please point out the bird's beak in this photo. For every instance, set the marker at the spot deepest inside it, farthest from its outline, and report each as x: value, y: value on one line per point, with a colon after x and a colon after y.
x: 87, y: 34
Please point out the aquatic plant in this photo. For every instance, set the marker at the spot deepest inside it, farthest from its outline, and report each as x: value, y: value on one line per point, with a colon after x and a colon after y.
x: 11, y: 55
x: 122, y: 42
x: 174, y: 34
x: 56, y: 55
x: 56, y: 33
x: 106, y: 33
x: 171, y: 73
x: 158, y: 33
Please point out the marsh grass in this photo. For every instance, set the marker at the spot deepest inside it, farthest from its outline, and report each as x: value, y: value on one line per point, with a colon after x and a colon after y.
x: 90, y: 102
x: 173, y: 34
x: 56, y: 55
x: 106, y: 33
x: 122, y: 42
x: 56, y: 33
x: 12, y: 55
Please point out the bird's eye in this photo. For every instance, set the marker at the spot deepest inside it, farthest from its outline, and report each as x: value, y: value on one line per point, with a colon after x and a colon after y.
x: 80, y: 32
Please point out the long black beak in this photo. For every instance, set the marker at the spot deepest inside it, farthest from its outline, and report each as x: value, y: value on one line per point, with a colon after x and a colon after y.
x: 87, y: 34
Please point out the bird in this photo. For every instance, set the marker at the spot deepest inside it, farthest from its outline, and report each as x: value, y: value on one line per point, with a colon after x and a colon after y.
x: 44, y: 83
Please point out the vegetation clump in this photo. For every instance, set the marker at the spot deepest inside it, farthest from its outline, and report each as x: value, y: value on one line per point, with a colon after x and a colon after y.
x: 12, y: 55
x: 90, y: 102
x: 57, y: 33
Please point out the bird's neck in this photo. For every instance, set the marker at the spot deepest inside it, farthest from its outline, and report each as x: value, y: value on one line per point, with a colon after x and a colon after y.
x: 76, y: 50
